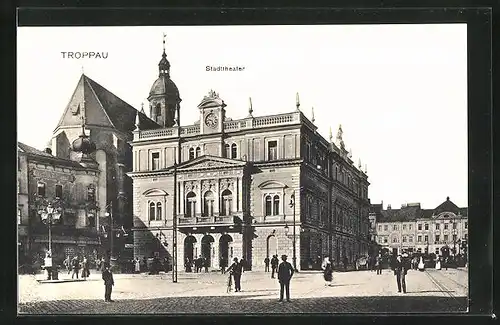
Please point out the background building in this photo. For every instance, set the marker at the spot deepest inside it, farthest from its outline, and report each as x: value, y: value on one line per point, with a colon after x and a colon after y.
x: 247, y: 188
x: 421, y: 230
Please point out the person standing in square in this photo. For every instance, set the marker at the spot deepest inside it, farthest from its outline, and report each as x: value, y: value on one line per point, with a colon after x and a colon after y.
x: 285, y: 273
x: 266, y: 264
x: 400, y: 269
x: 107, y: 276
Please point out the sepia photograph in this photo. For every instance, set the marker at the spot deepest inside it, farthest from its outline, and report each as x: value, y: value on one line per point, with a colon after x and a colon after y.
x: 266, y: 169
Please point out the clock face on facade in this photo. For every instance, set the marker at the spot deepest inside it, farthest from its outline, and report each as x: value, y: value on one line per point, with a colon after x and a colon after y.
x: 211, y: 120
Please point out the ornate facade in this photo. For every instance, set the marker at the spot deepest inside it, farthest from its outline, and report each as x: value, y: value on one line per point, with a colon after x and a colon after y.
x: 237, y: 188
x: 420, y: 230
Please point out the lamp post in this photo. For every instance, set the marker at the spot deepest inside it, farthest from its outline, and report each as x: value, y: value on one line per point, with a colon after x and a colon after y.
x: 48, y: 216
x: 174, y: 227
x: 294, y: 257
x: 109, y: 213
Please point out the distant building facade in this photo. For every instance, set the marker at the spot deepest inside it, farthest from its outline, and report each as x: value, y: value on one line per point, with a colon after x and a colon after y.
x: 237, y: 188
x: 414, y: 229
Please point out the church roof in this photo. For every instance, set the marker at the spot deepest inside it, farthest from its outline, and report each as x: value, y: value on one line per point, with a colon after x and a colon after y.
x: 101, y: 108
x: 44, y: 156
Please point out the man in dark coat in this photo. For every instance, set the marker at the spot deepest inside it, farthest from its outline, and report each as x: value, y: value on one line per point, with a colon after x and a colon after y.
x: 107, y: 276
x: 266, y: 264
x: 274, y: 265
x: 236, y: 270
x: 75, y: 266
x: 285, y: 273
x: 378, y: 263
x: 401, y: 266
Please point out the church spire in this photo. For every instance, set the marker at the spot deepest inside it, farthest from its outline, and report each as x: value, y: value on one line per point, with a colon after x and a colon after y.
x: 164, y: 65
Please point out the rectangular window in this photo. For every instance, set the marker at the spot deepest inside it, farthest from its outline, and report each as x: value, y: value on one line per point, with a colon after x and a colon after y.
x: 59, y: 191
x: 437, y: 226
x: 437, y: 239
x: 426, y: 226
x: 419, y: 239
x: 272, y: 150
x: 466, y: 225
x: 155, y: 161
x: 446, y: 238
x: 404, y: 227
x: 419, y: 226
x: 41, y: 189
x: 454, y: 225
x: 386, y: 227
x: 410, y: 239
x: 426, y: 238
x: 404, y: 239
x: 379, y: 227
x: 445, y: 226
x: 409, y: 226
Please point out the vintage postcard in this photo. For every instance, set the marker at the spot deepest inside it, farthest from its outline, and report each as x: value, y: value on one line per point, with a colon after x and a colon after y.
x: 242, y: 169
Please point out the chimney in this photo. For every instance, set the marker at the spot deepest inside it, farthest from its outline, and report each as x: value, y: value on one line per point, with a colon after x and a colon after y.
x: 48, y: 150
x: 388, y: 206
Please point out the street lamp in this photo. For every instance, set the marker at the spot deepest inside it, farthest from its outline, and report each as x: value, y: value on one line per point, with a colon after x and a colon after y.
x: 48, y: 216
x: 294, y: 257
x: 109, y: 214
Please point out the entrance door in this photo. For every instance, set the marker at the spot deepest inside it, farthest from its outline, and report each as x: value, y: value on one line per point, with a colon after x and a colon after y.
x: 189, y: 248
x: 224, y: 251
x: 272, y: 246
x: 206, y: 248
x: 394, y: 251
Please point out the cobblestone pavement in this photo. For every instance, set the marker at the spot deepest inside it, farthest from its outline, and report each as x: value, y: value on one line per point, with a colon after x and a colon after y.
x: 205, y: 293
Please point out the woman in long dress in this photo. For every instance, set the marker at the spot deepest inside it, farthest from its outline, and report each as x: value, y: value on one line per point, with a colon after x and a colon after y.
x: 438, y: 263
x: 137, y: 265
x: 421, y: 265
x: 327, y: 271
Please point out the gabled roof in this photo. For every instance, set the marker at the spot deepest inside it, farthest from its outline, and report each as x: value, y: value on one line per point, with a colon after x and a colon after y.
x: 447, y: 206
x: 101, y: 108
x: 43, y: 156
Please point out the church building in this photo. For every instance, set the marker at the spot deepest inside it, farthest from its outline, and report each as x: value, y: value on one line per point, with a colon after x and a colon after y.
x: 247, y: 188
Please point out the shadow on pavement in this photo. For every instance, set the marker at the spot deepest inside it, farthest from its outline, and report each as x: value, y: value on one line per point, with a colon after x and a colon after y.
x: 250, y: 304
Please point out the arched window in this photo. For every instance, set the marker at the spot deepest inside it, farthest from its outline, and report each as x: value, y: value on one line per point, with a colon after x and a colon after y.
x: 268, y: 205
x: 227, y: 202
x: 227, y: 150
x: 234, y: 151
x: 208, y: 204
x: 191, y: 153
x: 191, y: 204
x: 158, y: 211
x: 152, y: 211
x: 158, y: 109
x: 276, y: 205
x: 198, y: 152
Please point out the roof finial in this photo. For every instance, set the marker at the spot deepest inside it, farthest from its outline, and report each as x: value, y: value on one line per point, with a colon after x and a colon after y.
x: 350, y: 153
x: 250, y: 108
x: 312, y: 111
x: 137, y: 121
x: 297, y: 101
x: 339, y: 137
x: 83, y: 71
x: 142, y: 108
x: 359, y: 163
x: 164, y: 36
x: 366, y: 169
x: 330, y: 135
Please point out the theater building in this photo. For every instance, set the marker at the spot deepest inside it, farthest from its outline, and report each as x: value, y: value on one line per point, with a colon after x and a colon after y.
x: 250, y: 188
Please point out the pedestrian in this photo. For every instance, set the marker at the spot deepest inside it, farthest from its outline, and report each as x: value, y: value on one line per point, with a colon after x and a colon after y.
x: 67, y: 264
x: 85, y: 268
x: 244, y: 264
x: 266, y: 264
x: 421, y: 265
x: 187, y: 265
x: 327, y: 271
x: 438, y: 263
x: 400, y: 270
x: 75, y: 266
x: 274, y: 265
x: 137, y: 265
x: 98, y: 264
x: 285, y: 273
x: 205, y: 264
x: 378, y: 263
x: 236, y: 269
x: 107, y: 276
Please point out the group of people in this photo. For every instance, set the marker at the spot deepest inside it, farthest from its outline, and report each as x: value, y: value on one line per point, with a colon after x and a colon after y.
x: 197, y: 264
x: 274, y: 265
x: 74, y: 265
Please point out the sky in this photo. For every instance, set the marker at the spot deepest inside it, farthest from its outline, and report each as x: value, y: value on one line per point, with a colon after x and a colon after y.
x: 399, y: 91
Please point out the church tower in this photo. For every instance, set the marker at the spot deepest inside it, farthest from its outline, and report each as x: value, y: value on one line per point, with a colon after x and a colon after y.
x: 164, y: 99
